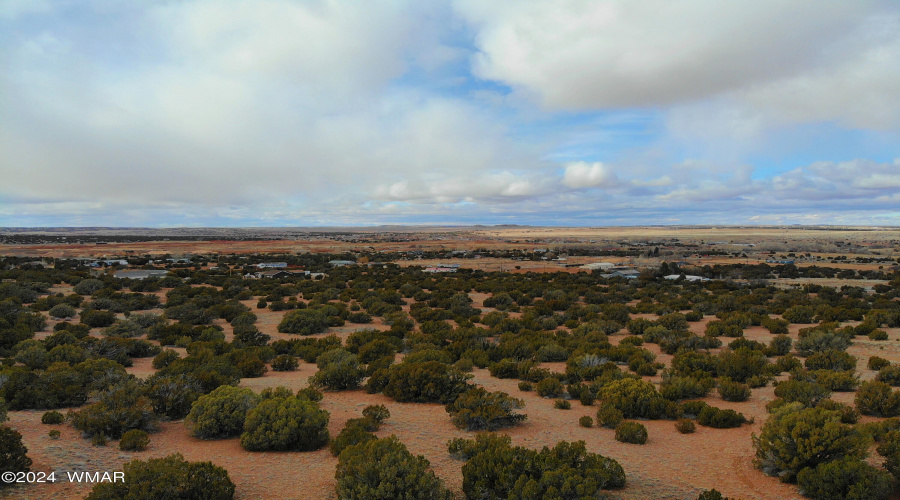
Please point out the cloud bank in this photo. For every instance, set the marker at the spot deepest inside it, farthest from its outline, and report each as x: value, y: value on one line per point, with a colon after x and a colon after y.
x: 276, y: 112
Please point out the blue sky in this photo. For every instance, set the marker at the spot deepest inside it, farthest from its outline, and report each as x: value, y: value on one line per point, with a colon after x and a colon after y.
x: 564, y: 112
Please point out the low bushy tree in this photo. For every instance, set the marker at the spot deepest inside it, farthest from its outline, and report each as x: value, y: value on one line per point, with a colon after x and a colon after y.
x: 221, y: 413
x: 285, y: 363
x: 425, y: 382
x: 635, y: 398
x: 876, y: 398
x: 497, y: 470
x: 845, y: 479
x: 631, y: 432
x: 134, y: 440
x: 384, y: 469
x: 795, y: 438
x: 285, y: 424
x: 733, y: 391
x: 120, y: 408
x: 13, y: 454
x: 303, y: 322
x: 338, y: 370
x: 478, y: 409
x: 169, y: 477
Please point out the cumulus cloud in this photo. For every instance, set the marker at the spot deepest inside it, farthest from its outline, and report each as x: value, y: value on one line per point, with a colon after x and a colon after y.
x: 340, y: 112
x: 801, y: 60
x: 589, y: 175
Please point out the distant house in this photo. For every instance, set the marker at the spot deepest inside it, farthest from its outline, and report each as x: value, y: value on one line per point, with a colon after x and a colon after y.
x: 687, y: 277
x: 280, y: 274
x: 264, y: 265
x: 139, y: 274
x: 598, y: 265
x: 775, y: 261
x: 622, y: 272
x: 441, y: 269
x: 339, y: 263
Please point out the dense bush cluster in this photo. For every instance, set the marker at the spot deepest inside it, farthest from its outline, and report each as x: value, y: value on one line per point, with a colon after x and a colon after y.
x: 169, y: 477
x: 384, y: 469
x: 601, y: 328
x: 477, y: 409
x: 495, y: 469
x: 285, y: 424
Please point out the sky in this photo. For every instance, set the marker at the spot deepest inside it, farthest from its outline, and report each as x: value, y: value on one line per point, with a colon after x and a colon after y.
x: 557, y: 112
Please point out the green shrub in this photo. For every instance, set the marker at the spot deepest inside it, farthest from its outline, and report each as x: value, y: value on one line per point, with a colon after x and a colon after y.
x: 876, y: 363
x: 62, y: 311
x: 120, y: 408
x: 609, y: 417
x: 303, y: 322
x: 252, y: 368
x: 586, y: 421
x: 338, y: 370
x: 98, y: 440
x: 807, y: 393
x: 54, y: 434
x: 310, y: 393
x: 384, y: 469
x: 710, y: 416
x: 495, y: 469
x: 13, y: 454
x: 685, y: 426
x: 378, y: 413
x: 878, y: 335
x: 712, y: 494
x: 97, y: 319
x: 733, y: 391
x: 889, y: 374
x: 831, y: 360
x: 843, y: 381
x: 821, y: 340
x: 172, y: 395
x: 845, y: 479
x: 676, y: 388
x: 525, y: 386
x: 795, y: 438
x: 779, y: 346
x: 741, y: 364
x: 134, y: 440
x: 631, y: 432
x: 876, y: 398
x: 799, y: 314
x: 165, y: 358
x: 221, y: 413
x: 425, y: 382
x: 634, y: 398
x: 550, y: 388
x: 477, y: 409
x: 169, y: 477
x: 562, y: 404
x: 285, y: 424
x: 354, y: 432
x: 285, y: 363
x: 52, y: 417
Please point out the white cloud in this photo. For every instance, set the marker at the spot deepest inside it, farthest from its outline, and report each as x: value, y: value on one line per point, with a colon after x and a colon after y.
x: 589, y: 175
x: 796, y: 60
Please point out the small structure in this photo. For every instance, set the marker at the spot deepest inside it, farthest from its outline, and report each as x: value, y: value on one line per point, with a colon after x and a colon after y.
x: 280, y: 274
x: 441, y: 269
x: 687, y: 277
x: 598, y: 265
x: 272, y: 265
x: 139, y: 274
x: 339, y: 263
